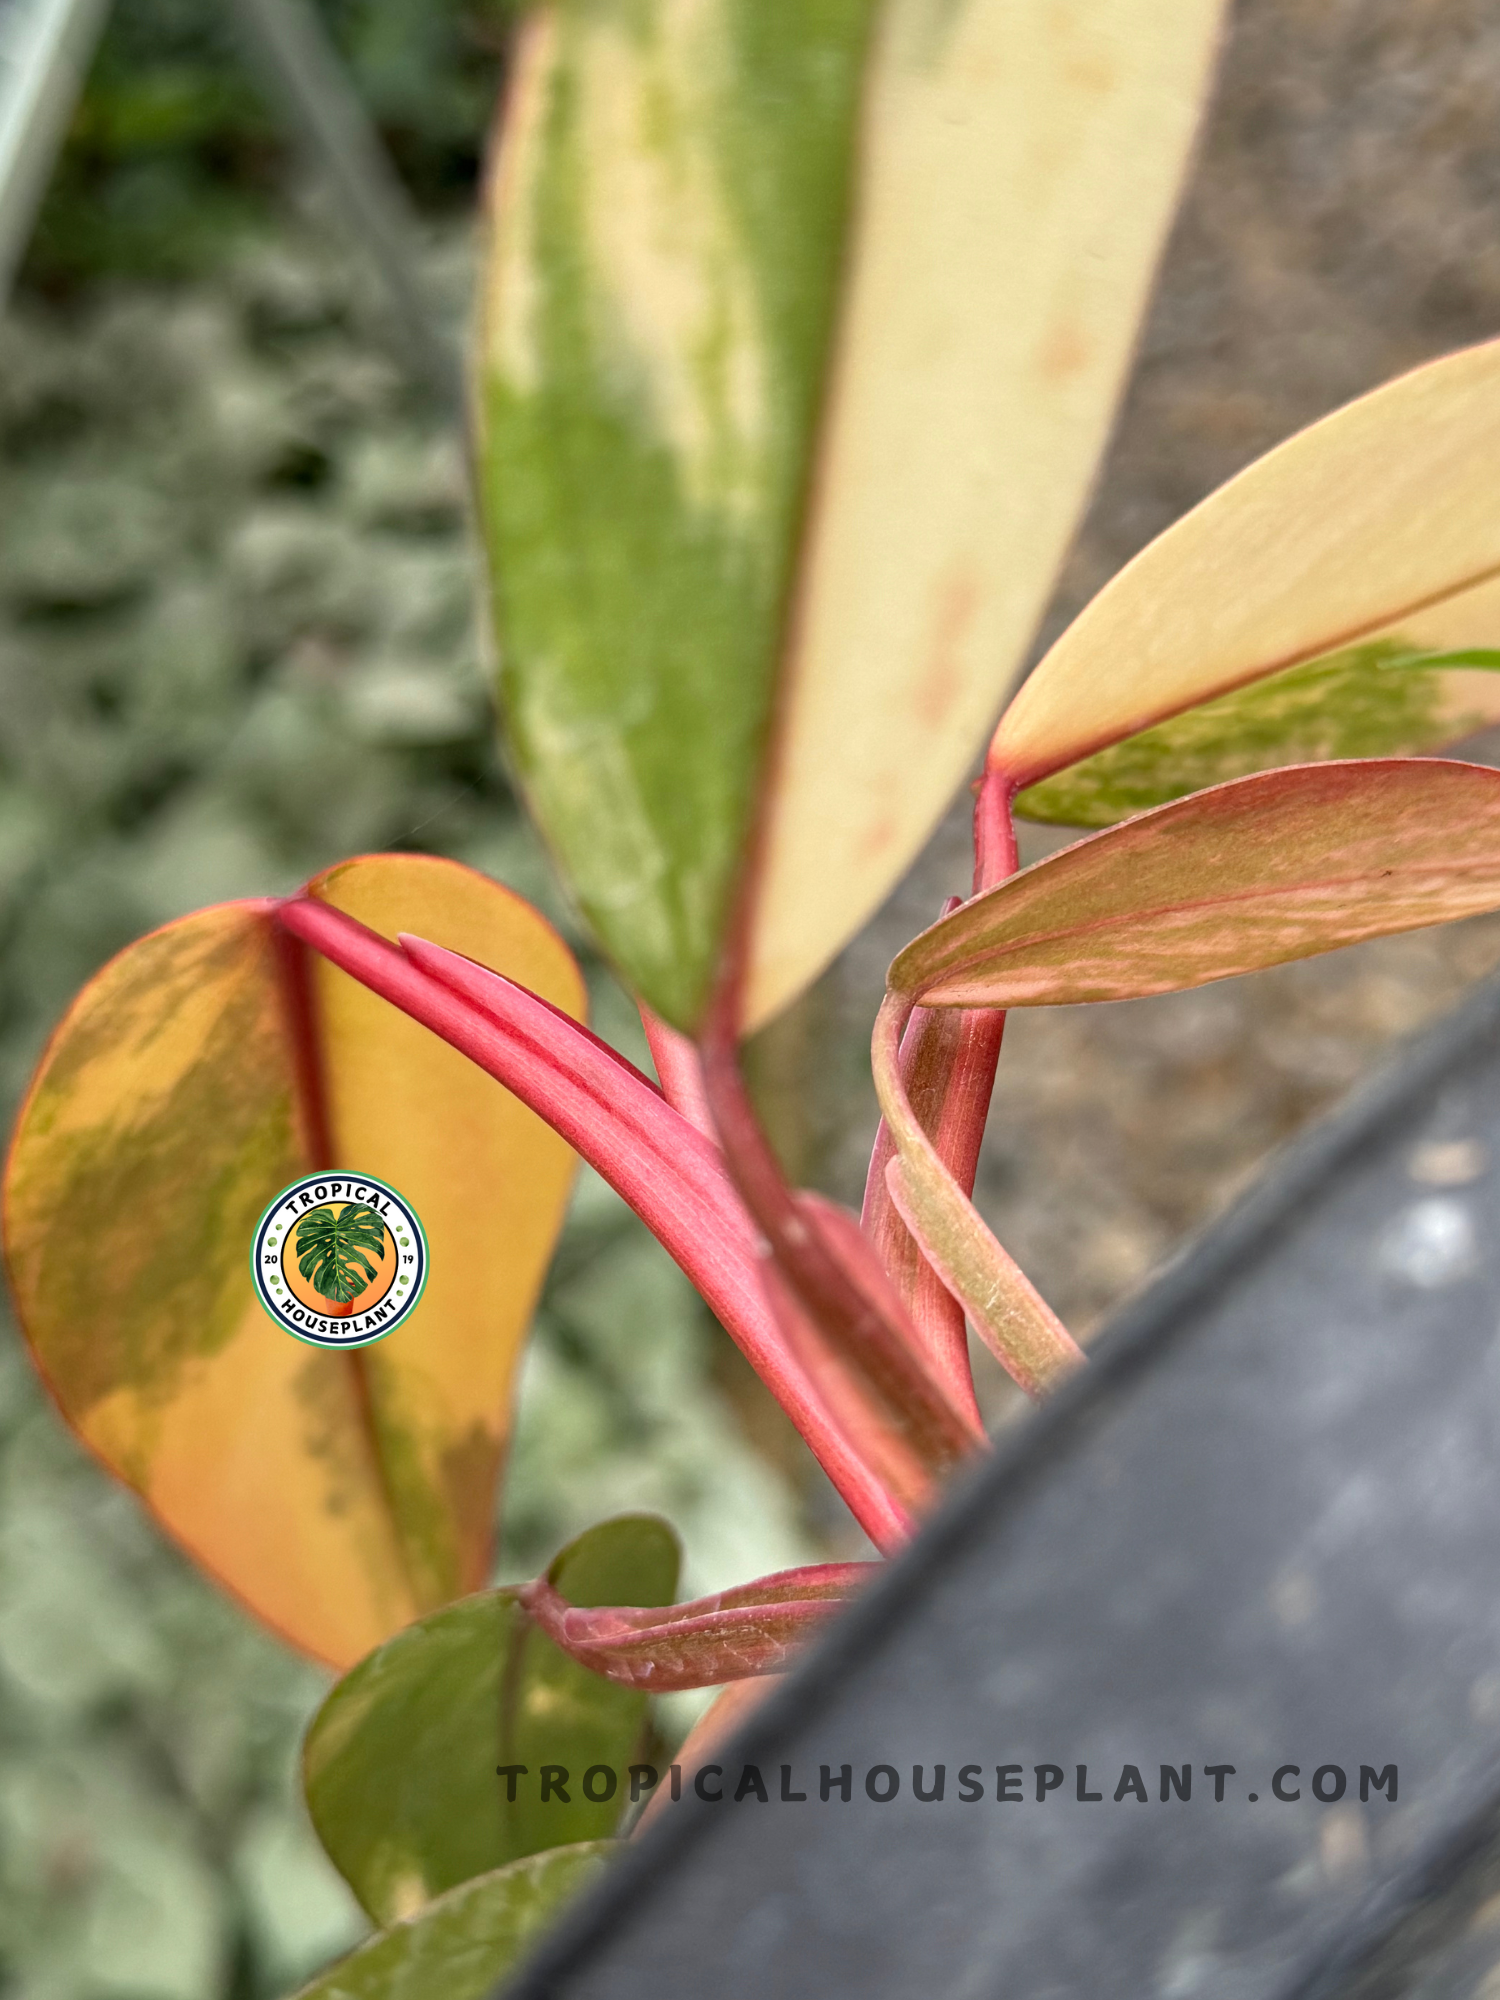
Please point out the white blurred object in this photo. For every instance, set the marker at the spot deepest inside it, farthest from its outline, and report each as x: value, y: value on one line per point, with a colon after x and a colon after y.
x: 45, y: 50
x: 1430, y: 1244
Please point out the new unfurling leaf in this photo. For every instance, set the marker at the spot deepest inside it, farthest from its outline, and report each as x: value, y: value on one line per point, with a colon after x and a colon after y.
x: 756, y: 1628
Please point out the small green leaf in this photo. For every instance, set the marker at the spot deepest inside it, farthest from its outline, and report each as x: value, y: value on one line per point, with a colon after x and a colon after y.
x: 459, y: 1945
x: 400, y: 1762
x: 1387, y: 698
x: 559, y: 1712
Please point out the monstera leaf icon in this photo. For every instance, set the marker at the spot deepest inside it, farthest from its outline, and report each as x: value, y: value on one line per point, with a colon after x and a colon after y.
x: 330, y: 1250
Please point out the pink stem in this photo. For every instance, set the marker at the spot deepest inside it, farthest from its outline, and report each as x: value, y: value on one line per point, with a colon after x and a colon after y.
x: 617, y: 1120
x: 864, y: 1322
x: 995, y: 857
x: 883, y: 1445
x: 679, y: 1072
x: 948, y: 1062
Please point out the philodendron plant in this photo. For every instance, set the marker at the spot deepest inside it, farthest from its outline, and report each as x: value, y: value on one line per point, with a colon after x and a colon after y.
x: 803, y: 323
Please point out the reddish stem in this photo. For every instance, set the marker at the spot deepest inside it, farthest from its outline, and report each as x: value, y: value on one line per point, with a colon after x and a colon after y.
x: 995, y: 856
x: 870, y: 1331
x: 678, y: 1071
x: 753, y: 1630
x: 307, y: 1062
x: 948, y: 1062
x: 620, y: 1123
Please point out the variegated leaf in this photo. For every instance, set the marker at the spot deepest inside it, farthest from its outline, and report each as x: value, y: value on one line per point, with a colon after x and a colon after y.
x: 206, y: 1067
x: 1269, y: 868
x: 1381, y: 699
x: 702, y: 463
x: 1377, y: 523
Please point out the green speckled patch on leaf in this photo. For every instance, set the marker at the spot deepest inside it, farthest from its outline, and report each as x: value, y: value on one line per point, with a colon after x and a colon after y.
x: 337, y: 1494
x: 1383, y: 699
x: 660, y: 310
x: 153, y: 1107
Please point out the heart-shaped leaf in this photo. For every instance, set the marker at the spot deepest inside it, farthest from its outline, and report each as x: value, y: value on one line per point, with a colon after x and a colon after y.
x: 1269, y: 868
x: 400, y: 1763
x: 1377, y: 523
x: 206, y: 1067
x: 718, y: 488
x: 457, y: 1947
x: 1378, y: 700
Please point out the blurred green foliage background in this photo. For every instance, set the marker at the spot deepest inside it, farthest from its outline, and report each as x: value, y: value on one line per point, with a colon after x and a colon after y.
x: 238, y: 640
x: 176, y: 151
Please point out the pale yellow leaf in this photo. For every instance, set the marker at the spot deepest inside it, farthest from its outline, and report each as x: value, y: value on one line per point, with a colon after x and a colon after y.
x: 1021, y: 160
x: 1380, y: 521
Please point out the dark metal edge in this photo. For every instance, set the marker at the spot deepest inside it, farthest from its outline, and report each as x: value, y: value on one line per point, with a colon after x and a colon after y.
x: 1402, y: 1927
x: 1144, y: 1329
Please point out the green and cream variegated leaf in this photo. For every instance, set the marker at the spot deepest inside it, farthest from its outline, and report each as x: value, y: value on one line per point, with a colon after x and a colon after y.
x: 1378, y: 523
x: 669, y: 215
x: 1384, y: 699
x: 1021, y: 165
x: 719, y: 489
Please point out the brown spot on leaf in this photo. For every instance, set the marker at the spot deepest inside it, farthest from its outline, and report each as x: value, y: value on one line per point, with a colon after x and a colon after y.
x: 943, y: 680
x: 1087, y: 69
x: 880, y: 835
x: 1064, y: 352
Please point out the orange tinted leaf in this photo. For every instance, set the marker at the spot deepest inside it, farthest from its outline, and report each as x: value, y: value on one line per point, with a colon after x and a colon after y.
x: 1008, y: 1313
x: 1273, y: 867
x: 338, y: 1494
x: 1378, y: 522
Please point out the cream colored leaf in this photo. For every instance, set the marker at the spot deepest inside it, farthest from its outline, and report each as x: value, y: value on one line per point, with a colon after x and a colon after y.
x: 1379, y: 521
x: 1021, y: 160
